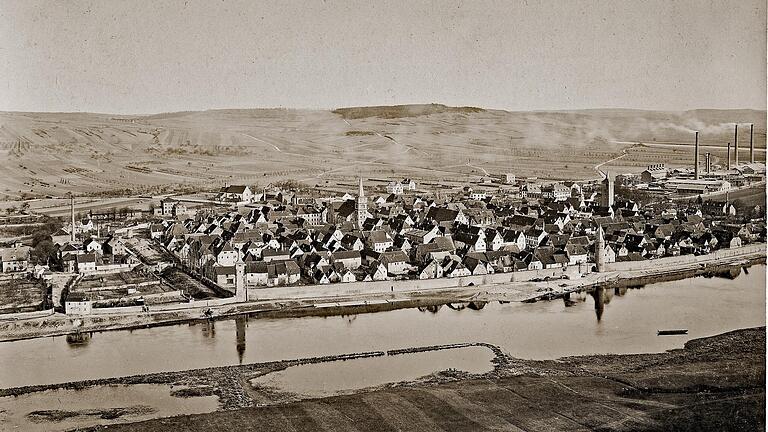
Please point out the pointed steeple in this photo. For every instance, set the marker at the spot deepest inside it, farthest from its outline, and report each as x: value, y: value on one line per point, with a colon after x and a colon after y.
x: 362, y: 206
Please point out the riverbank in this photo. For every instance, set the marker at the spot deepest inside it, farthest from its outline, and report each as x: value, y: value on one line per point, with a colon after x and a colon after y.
x: 640, y: 273
x: 713, y: 383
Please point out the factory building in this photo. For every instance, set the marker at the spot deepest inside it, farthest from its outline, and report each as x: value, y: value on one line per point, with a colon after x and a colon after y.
x: 697, y: 187
x: 654, y: 173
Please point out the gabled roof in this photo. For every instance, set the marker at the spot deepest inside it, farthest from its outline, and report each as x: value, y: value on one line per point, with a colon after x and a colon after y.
x: 393, y: 257
x: 234, y: 189
x: 439, y: 214
x: 346, y: 254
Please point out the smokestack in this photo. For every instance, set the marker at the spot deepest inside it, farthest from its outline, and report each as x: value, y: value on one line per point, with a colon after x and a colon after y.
x: 729, y: 156
x: 72, y: 214
x: 736, y: 143
x: 751, y: 144
x: 696, y: 157
x: 706, y: 163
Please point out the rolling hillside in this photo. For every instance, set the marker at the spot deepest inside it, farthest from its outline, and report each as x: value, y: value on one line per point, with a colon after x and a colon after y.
x: 52, y: 153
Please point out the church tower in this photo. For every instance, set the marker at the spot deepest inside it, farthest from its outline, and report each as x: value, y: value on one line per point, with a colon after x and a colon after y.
x: 241, y: 292
x: 362, y: 206
x: 600, y: 250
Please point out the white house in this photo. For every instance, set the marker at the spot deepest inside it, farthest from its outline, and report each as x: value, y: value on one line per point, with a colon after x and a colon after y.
x: 379, y: 241
x: 395, y: 188
x: 237, y: 193
x: 14, y: 259
x: 86, y: 263
x: 77, y: 304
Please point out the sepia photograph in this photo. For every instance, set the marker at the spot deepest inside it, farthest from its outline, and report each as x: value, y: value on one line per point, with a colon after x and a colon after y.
x: 383, y: 216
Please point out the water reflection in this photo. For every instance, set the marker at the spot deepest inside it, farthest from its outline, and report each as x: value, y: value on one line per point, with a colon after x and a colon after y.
x: 730, y: 273
x: 476, y: 305
x: 602, y: 297
x: 209, y: 329
x: 574, y: 298
x: 77, y: 340
x: 432, y: 308
x: 240, y: 337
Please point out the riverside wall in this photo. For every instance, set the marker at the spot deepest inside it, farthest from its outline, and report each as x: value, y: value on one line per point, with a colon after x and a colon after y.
x: 351, y: 289
x: 167, y: 307
x: 748, y: 251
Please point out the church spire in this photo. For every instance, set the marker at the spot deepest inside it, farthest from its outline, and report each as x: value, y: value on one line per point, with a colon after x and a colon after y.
x: 362, y: 206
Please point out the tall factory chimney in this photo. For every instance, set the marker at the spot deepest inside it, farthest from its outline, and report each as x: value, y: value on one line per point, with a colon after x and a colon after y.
x: 706, y: 162
x: 72, y: 214
x: 696, y: 157
x: 751, y: 143
x: 736, y: 143
x: 729, y: 156
x: 607, y: 191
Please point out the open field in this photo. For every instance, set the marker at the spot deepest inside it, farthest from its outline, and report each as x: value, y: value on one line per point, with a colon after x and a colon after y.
x: 715, y: 383
x: 54, y: 153
x: 20, y: 294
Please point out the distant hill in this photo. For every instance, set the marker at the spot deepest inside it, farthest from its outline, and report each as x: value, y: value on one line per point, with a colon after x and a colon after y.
x: 401, y: 111
x: 53, y: 153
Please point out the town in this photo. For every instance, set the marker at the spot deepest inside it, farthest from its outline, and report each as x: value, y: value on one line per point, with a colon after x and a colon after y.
x: 383, y: 216
x: 234, y: 244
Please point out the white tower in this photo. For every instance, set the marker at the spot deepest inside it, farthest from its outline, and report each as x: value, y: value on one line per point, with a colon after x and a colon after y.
x: 600, y: 250
x: 241, y: 292
x: 362, y: 206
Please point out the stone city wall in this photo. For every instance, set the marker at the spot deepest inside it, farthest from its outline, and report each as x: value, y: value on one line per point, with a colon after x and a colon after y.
x: 747, y: 251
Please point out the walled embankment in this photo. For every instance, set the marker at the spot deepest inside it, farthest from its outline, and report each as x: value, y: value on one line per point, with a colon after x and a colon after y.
x: 617, y: 269
x: 306, y: 300
x: 662, y: 265
x: 353, y: 289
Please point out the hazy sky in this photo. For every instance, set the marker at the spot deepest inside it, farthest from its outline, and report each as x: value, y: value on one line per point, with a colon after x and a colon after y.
x: 153, y: 56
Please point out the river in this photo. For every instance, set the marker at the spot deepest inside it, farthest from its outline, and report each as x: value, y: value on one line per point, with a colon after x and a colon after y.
x: 609, y: 321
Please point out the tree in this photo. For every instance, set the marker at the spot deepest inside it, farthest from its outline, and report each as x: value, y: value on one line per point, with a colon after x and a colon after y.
x: 39, y: 237
x: 43, y: 251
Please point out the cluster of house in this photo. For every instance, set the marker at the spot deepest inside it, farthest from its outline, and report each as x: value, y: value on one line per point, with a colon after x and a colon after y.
x: 95, y: 254
x: 285, y: 239
x: 400, y: 187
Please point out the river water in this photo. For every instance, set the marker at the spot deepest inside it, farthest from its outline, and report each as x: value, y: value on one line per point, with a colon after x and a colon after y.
x: 86, y: 407
x: 343, y: 376
x: 612, y: 321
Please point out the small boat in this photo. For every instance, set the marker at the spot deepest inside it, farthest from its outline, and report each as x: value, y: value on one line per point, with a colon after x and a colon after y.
x: 671, y: 332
